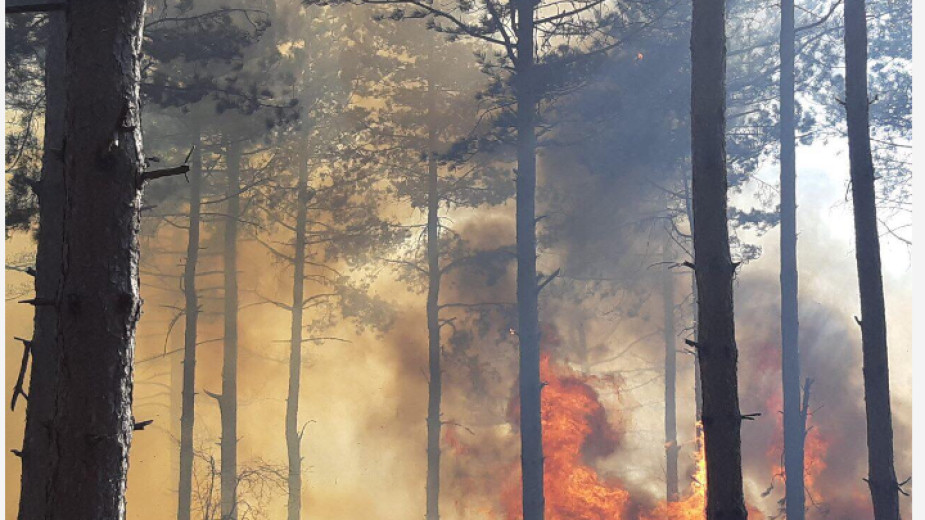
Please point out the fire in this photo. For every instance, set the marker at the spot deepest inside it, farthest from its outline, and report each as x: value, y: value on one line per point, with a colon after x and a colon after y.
x: 574, y: 427
x: 575, y: 430
x: 815, y: 449
x: 692, y: 507
x: 451, y: 439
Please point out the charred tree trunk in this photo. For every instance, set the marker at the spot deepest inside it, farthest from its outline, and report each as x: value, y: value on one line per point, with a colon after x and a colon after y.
x: 716, y: 347
x: 794, y: 424
x: 188, y: 396
x: 671, y: 408
x: 98, y: 302
x: 293, y: 435
x: 228, y: 401
x: 434, y: 352
x: 44, y: 347
x: 531, y: 425
x: 882, y: 476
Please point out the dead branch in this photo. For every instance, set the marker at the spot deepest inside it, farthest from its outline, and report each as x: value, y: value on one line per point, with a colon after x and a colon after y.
x: 140, y: 426
x: 548, y: 279
x: 18, y: 390
x: 183, y: 169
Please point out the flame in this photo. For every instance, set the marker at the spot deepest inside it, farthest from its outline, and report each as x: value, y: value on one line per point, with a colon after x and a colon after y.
x: 692, y: 507
x: 574, y: 427
x: 815, y: 449
x: 451, y: 439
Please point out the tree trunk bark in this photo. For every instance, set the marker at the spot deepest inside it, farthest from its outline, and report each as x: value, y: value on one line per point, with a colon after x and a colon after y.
x: 44, y: 347
x: 882, y: 476
x: 794, y: 424
x: 98, y: 304
x: 188, y: 396
x: 716, y: 347
x: 434, y: 352
x: 228, y: 402
x: 671, y: 408
x: 531, y: 426
x: 293, y: 436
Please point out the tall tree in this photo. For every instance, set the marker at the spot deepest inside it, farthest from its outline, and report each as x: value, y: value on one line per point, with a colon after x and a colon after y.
x: 531, y: 69
x: 293, y: 435
x: 44, y: 347
x: 191, y: 300
x: 186, y: 39
x: 426, y: 142
x: 794, y: 424
x: 884, y: 489
x: 228, y: 400
x: 671, y: 413
x: 713, y: 267
x: 98, y: 305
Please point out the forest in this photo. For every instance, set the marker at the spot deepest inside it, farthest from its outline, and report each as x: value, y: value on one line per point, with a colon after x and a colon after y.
x: 469, y: 259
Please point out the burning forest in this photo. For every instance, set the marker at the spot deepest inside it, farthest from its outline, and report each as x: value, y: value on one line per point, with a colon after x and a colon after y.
x: 496, y: 260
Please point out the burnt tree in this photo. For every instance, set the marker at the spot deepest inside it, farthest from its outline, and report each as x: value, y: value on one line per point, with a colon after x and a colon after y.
x: 713, y: 266
x: 44, y: 344
x: 884, y: 489
x: 98, y: 302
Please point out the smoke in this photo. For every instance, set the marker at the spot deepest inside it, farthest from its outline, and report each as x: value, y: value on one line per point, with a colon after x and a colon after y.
x: 603, y: 225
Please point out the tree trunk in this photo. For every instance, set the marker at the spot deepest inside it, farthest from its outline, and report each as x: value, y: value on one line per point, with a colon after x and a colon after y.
x: 882, y: 476
x: 434, y: 352
x: 794, y: 424
x: 175, y: 394
x: 716, y: 347
x: 531, y: 426
x: 228, y: 401
x: 44, y: 347
x: 671, y: 408
x: 98, y: 305
x: 188, y: 396
x: 293, y: 436
x: 698, y: 390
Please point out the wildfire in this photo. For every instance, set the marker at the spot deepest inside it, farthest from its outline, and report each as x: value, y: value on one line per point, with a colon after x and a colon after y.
x: 451, y: 439
x: 574, y: 428
x: 692, y: 507
x: 815, y: 449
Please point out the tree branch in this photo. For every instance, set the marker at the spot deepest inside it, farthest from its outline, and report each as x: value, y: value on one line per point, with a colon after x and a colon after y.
x: 18, y: 389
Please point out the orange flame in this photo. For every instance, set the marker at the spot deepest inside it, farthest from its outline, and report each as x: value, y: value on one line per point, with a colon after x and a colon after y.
x: 451, y: 439
x: 692, y: 507
x: 815, y: 449
x: 575, y: 429
x: 572, y: 416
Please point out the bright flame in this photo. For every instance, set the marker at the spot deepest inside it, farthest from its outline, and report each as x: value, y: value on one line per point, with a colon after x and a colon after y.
x: 692, y: 507
x: 815, y: 449
x: 572, y: 416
